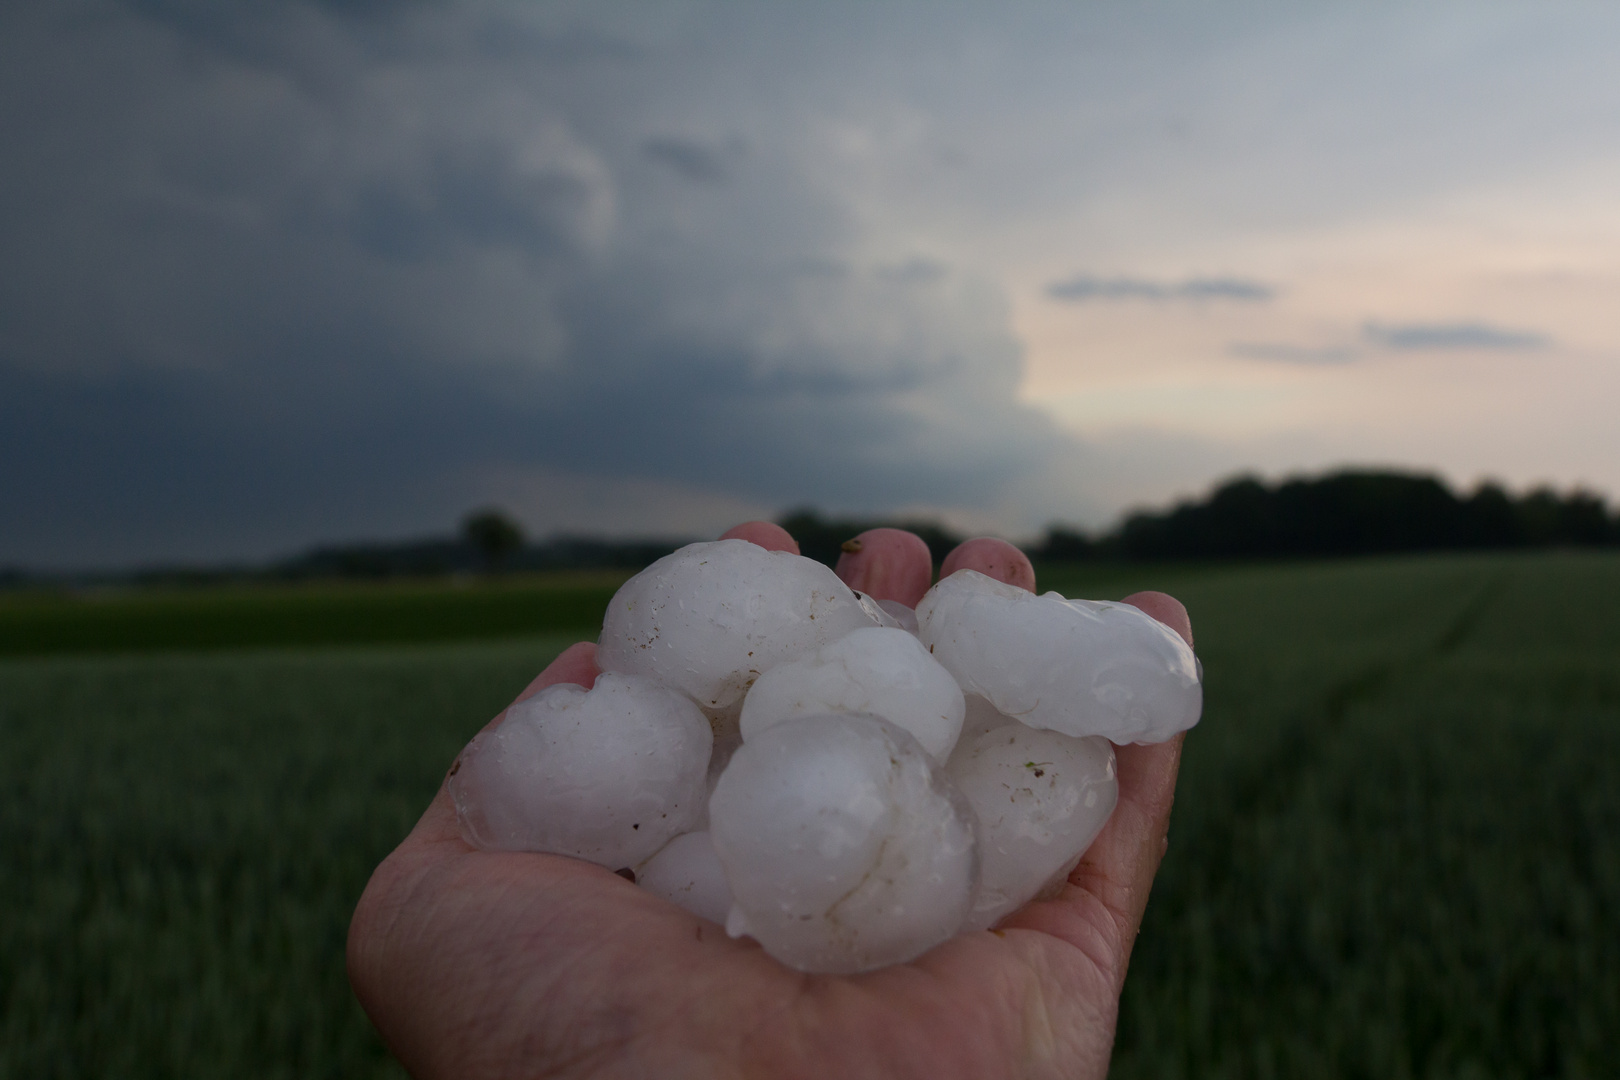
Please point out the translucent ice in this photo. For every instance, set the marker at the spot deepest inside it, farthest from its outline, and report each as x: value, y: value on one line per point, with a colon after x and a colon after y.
x: 845, y: 847
x: 904, y: 617
x: 1041, y: 799
x: 708, y: 619
x: 609, y: 775
x: 877, y: 670
x: 980, y: 717
x: 876, y: 611
x: 1081, y: 667
x: 688, y: 874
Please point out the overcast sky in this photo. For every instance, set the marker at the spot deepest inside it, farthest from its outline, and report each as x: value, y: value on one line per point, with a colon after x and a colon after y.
x: 276, y: 272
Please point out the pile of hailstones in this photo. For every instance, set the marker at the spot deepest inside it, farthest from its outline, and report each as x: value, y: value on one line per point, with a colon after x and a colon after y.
x: 848, y: 781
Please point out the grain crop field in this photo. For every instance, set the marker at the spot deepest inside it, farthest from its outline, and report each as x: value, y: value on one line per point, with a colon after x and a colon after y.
x: 1396, y: 849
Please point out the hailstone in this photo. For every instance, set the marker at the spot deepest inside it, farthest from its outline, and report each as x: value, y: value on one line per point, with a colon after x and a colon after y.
x: 878, y: 611
x: 609, y: 775
x: 1080, y: 667
x: 845, y: 846
x: 1041, y: 799
x: 903, y: 616
x: 877, y: 670
x: 688, y: 874
x: 979, y: 717
x: 710, y: 618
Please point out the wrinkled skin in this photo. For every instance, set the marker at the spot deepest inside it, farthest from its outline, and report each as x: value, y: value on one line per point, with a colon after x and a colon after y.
x: 486, y: 964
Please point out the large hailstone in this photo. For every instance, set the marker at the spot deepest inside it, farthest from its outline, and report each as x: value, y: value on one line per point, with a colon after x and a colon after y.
x: 1041, y: 799
x: 1080, y: 667
x: 878, y: 670
x: 845, y: 846
x: 710, y: 618
x: 688, y: 874
x: 609, y: 775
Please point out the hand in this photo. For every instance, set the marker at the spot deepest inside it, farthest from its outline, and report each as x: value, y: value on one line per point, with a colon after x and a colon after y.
x: 494, y: 964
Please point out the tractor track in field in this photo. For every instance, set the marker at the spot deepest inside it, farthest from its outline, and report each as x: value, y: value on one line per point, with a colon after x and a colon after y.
x: 1273, y: 782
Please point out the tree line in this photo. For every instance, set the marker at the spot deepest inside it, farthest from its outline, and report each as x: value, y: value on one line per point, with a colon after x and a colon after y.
x: 1352, y: 512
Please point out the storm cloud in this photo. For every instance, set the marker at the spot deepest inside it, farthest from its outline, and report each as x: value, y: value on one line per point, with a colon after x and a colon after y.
x: 299, y: 271
x: 1088, y: 287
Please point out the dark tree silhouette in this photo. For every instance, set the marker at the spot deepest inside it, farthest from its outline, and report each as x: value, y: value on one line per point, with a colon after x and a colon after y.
x: 495, y: 536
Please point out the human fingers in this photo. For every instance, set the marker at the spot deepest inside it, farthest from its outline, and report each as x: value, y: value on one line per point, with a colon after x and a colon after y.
x: 887, y: 564
x: 575, y: 664
x: 1110, y: 887
x: 1166, y: 608
x: 993, y: 558
x: 768, y: 535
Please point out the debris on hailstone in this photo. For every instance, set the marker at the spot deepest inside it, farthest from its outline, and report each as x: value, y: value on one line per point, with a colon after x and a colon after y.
x: 1081, y: 667
x: 1041, y: 799
x: 848, y: 781
x: 710, y: 618
x: 877, y: 670
x: 845, y: 846
x: 609, y: 775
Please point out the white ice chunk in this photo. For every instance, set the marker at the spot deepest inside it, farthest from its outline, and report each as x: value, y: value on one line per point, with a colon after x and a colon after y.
x: 711, y: 617
x: 688, y: 874
x: 876, y: 611
x: 904, y: 617
x: 1041, y: 799
x: 609, y: 775
x: 980, y: 717
x: 1081, y: 667
x: 845, y: 846
x: 878, y: 670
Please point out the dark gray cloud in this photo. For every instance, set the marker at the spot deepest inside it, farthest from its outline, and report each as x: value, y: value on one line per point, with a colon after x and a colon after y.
x: 1084, y: 287
x: 1445, y: 336
x: 284, y: 273
x: 692, y: 160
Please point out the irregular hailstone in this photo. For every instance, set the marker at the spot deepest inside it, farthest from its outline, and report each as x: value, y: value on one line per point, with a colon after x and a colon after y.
x: 609, y: 775
x: 708, y: 619
x: 1041, y: 799
x: 904, y: 617
x: 980, y: 717
x: 877, y: 610
x: 845, y: 846
x: 1081, y: 667
x: 688, y: 874
x: 878, y: 670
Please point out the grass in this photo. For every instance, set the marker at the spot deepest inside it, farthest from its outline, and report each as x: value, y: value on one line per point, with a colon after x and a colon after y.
x: 1396, y: 849
x: 39, y: 621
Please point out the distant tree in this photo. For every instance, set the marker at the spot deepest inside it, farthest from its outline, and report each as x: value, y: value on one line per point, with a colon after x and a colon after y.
x: 494, y: 535
x: 1065, y: 544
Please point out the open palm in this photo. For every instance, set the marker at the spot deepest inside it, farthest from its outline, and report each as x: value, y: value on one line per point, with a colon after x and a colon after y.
x: 494, y: 964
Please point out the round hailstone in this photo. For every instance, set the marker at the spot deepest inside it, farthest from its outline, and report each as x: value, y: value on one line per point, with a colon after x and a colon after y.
x: 1041, y: 799
x: 708, y: 619
x: 1081, y: 667
x: 845, y: 846
x: 878, y: 670
x: 609, y: 775
x: 688, y: 874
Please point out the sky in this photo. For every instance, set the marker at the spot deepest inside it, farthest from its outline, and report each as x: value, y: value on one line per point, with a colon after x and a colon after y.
x: 281, y: 272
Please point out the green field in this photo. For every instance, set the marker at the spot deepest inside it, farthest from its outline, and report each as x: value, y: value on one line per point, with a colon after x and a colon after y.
x: 39, y: 621
x: 1396, y: 849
